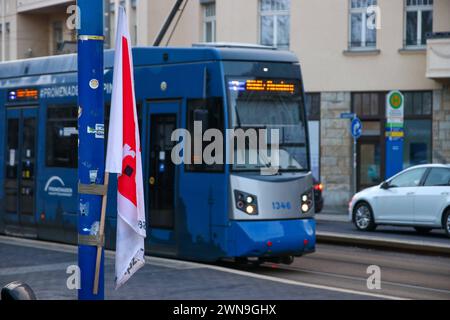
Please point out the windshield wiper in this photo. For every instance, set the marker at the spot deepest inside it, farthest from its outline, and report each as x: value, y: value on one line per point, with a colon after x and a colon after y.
x: 238, y: 118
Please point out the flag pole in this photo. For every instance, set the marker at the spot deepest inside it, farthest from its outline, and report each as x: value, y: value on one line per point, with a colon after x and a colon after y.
x: 101, y: 234
x: 91, y: 157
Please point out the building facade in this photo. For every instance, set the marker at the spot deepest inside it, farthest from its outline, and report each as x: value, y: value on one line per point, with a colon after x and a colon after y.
x: 353, y: 52
x: 33, y: 28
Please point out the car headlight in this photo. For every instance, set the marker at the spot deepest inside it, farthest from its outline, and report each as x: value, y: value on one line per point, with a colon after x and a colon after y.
x: 306, y: 202
x: 246, y: 202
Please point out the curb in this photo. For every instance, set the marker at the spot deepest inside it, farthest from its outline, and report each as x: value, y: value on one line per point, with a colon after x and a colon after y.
x: 391, y: 244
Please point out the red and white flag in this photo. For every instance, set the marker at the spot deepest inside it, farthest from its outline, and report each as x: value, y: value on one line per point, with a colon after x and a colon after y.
x: 124, y: 158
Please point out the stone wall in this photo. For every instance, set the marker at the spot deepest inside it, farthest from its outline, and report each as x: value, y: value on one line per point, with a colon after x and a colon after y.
x: 335, y: 151
x: 441, y: 125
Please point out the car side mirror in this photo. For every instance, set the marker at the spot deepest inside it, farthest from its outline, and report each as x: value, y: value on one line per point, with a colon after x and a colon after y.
x: 17, y: 291
x: 385, y: 185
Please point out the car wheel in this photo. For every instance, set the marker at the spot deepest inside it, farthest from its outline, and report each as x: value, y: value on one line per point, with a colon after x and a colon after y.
x: 447, y: 223
x: 363, y: 217
x: 423, y: 230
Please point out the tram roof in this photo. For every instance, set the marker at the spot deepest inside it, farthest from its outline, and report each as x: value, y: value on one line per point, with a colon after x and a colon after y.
x: 146, y: 56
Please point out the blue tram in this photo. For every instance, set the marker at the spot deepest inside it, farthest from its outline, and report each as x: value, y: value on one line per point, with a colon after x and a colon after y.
x: 195, y: 211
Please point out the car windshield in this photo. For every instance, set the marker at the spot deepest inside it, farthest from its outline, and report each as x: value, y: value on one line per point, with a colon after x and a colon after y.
x: 270, y: 104
x: 409, y: 178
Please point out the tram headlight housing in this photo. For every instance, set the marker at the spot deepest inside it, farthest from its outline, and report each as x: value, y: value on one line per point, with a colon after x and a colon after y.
x: 306, y: 202
x: 246, y: 202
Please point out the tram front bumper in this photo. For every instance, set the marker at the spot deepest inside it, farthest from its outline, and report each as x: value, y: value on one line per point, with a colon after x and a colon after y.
x: 272, y: 238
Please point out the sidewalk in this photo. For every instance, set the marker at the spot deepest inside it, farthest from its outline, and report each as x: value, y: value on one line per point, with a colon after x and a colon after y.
x: 336, y: 214
x: 334, y: 227
x: 43, y: 267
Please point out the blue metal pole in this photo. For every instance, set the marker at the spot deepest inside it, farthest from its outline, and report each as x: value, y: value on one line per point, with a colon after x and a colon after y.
x: 91, y: 157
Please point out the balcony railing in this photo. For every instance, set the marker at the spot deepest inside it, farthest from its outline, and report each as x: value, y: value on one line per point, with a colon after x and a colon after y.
x: 438, y: 56
x: 31, y: 5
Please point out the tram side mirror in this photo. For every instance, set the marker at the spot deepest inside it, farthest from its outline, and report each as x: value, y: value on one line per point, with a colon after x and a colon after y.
x: 17, y: 291
x: 385, y: 185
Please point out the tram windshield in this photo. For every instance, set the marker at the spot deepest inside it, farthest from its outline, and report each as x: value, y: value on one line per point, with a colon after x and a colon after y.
x: 270, y: 104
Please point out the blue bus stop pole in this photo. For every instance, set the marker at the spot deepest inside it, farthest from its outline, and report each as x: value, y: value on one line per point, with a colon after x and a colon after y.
x: 91, y: 155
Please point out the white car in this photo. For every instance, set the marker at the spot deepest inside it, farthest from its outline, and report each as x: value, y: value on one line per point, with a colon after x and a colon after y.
x: 418, y: 197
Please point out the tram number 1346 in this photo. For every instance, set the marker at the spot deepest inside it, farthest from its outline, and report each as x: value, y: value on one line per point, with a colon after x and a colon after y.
x: 280, y: 205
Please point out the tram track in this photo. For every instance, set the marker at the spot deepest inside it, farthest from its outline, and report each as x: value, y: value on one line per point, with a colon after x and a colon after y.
x: 403, y: 275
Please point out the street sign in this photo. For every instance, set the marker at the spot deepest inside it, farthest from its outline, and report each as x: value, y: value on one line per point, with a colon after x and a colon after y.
x: 395, y: 133
x: 356, y: 128
x: 395, y: 109
x: 348, y: 115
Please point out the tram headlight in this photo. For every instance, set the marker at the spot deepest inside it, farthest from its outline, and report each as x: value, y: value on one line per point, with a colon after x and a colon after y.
x: 250, y: 209
x: 306, y: 202
x: 246, y: 202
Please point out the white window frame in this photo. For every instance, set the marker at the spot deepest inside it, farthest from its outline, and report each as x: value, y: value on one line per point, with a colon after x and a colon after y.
x: 418, y: 9
x: 209, y: 20
x: 363, y: 12
x: 275, y: 14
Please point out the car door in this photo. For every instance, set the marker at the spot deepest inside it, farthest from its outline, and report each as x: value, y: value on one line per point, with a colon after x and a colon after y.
x: 432, y: 197
x: 396, y: 204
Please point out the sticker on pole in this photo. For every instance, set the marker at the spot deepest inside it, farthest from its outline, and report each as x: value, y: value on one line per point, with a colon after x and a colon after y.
x: 94, y: 84
x: 356, y: 128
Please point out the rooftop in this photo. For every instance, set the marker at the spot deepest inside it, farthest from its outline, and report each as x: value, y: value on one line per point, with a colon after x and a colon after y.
x: 147, y: 56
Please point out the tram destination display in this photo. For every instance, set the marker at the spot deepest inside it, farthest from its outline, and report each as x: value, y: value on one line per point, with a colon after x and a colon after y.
x: 264, y: 85
x: 23, y: 95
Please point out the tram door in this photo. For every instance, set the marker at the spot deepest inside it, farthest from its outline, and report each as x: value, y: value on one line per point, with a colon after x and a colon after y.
x: 163, y: 119
x: 20, y: 167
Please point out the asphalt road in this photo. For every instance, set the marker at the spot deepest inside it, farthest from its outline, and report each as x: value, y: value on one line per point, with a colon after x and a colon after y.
x: 386, y: 232
x: 403, y: 275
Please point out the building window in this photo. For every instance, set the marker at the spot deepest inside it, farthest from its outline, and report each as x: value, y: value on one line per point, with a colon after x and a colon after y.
x: 209, y: 22
x: 58, y: 37
x: 418, y: 103
x: 417, y: 148
x: 275, y: 23
x: 369, y: 105
x: 362, y: 35
x: 417, y: 144
x: 312, y: 105
x: 419, y: 22
x: 62, y: 137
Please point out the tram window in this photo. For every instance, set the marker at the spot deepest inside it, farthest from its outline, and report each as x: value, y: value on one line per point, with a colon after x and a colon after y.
x: 13, y: 145
x: 62, y: 137
x: 210, y: 113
